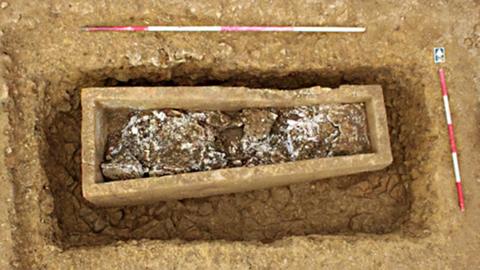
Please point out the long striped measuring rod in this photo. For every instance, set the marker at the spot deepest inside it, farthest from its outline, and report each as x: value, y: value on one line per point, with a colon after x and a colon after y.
x: 453, y: 146
x: 213, y: 28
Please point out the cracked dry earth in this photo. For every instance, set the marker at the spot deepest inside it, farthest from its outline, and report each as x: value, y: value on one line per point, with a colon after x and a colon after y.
x: 404, y: 216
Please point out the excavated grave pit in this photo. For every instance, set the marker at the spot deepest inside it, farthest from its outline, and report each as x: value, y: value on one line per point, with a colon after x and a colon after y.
x: 374, y: 202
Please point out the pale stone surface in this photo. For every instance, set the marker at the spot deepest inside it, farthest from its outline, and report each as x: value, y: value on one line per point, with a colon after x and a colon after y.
x: 6, y: 188
x: 6, y: 199
x: 4, y: 61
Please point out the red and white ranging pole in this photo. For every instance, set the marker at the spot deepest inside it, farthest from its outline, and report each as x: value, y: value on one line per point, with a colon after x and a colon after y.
x: 215, y: 28
x: 453, y: 146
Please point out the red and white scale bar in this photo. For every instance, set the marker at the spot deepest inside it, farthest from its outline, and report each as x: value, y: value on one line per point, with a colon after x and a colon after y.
x: 316, y: 29
x: 453, y: 146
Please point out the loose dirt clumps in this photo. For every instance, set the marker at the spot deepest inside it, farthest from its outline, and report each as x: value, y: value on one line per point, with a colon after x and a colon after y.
x: 163, y: 142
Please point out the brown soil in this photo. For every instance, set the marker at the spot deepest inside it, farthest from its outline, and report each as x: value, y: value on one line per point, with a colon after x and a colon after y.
x: 403, y: 216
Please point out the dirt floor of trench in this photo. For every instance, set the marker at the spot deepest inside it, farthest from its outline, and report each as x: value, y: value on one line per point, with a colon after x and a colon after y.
x: 46, y: 61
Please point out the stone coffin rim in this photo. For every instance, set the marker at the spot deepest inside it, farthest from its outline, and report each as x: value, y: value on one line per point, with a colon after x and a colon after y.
x: 201, y: 184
